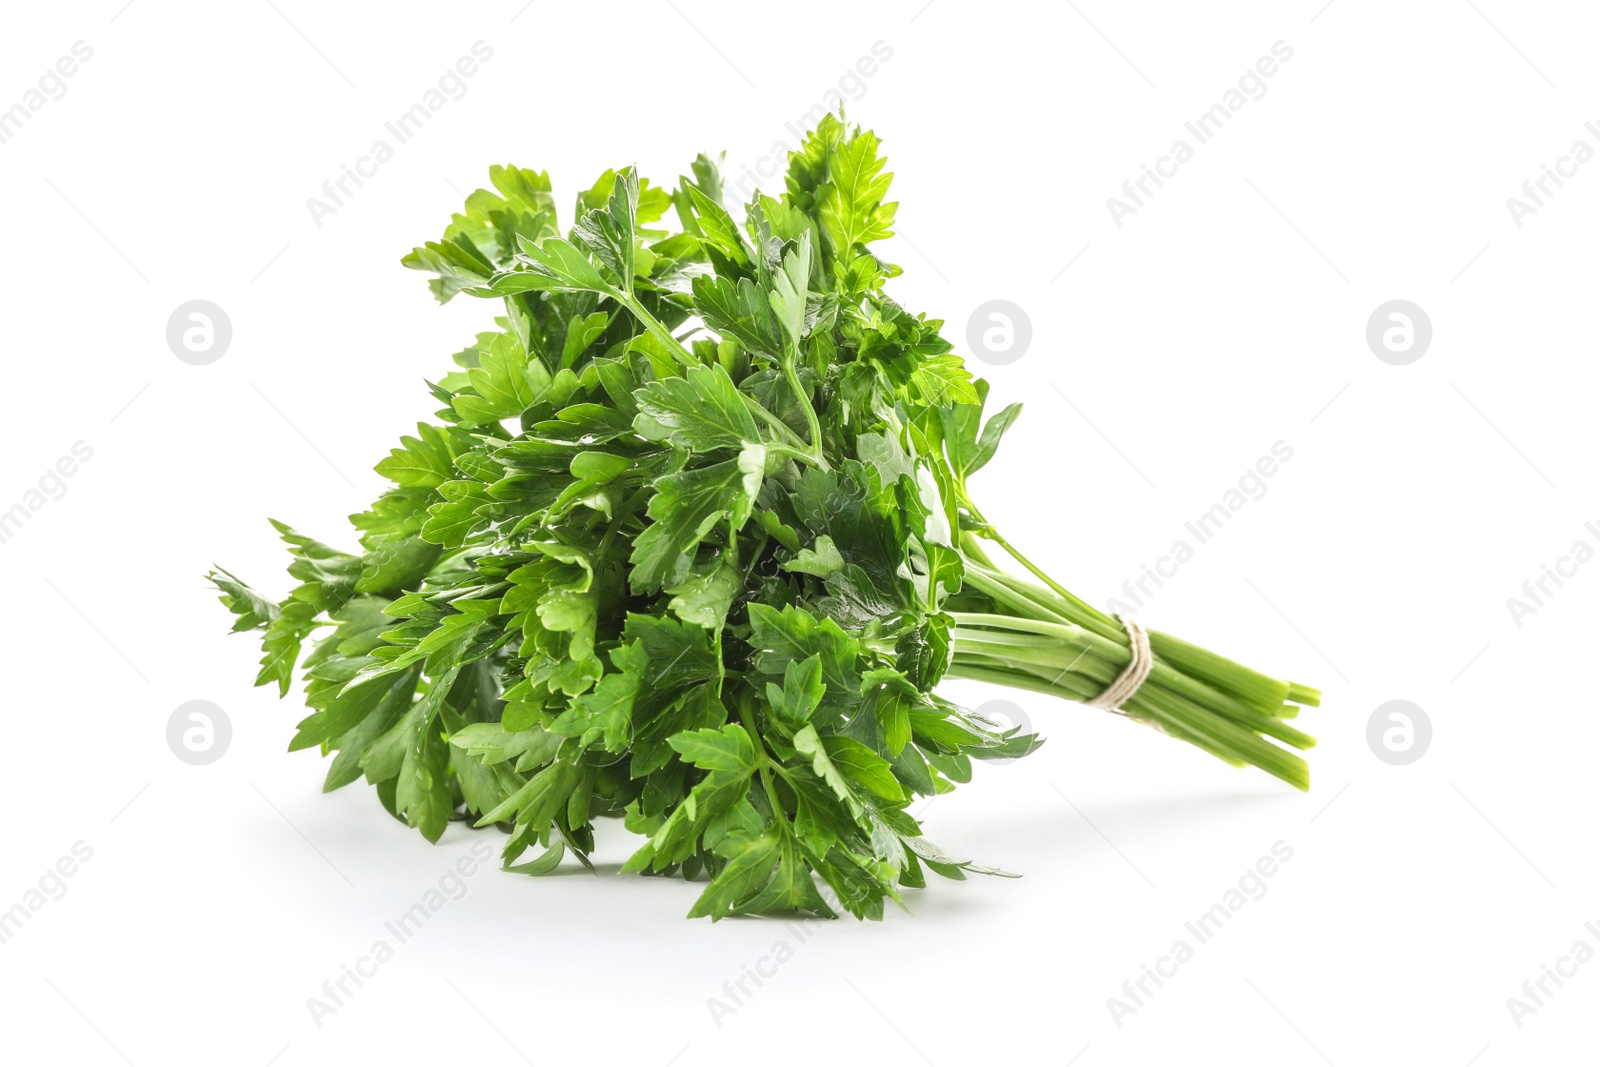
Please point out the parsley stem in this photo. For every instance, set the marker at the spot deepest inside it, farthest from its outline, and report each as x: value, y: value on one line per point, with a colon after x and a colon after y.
x: 805, y: 404
x: 656, y: 329
x: 763, y: 763
x: 990, y: 533
x: 1260, y: 691
x: 792, y: 445
x: 1044, y: 639
x: 802, y: 454
x: 755, y: 554
x: 1168, y: 712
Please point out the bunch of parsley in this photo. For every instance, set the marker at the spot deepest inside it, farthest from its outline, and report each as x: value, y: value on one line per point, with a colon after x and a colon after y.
x: 690, y: 543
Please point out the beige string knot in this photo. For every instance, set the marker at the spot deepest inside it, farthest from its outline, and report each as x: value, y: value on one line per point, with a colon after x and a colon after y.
x: 1140, y: 661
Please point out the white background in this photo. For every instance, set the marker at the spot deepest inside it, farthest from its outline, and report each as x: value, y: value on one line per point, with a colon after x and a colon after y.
x: 1227, y: 314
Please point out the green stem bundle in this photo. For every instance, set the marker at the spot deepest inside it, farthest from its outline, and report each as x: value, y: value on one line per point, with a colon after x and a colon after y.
x: 1043, y: 639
